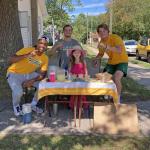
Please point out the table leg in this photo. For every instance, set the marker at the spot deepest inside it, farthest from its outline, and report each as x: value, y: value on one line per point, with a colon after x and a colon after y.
x: 47, y: 106
x: 75, y: 109
x: 80, y: 109
x: 46, y: 101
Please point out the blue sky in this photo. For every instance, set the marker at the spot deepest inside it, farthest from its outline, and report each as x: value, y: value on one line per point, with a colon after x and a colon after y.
x: 92, y: 7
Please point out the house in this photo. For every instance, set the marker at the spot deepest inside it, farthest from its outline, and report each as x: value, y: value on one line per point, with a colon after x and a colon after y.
x: 93, y: 39
x: 31, y: 15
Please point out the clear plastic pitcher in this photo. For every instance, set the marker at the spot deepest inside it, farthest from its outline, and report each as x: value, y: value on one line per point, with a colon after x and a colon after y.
x: 60, y: 75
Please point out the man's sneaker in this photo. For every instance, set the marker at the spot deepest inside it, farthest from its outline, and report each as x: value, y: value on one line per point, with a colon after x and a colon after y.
x: 17, y: 110
x: 37, y: 109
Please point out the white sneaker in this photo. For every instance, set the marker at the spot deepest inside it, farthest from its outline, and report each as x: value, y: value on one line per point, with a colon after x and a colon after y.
x: 37, y: 109
x: 17, y: 110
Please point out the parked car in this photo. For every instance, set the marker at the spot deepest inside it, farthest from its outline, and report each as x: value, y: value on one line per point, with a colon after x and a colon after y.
x: 131, y: 46
x: 143, y: 49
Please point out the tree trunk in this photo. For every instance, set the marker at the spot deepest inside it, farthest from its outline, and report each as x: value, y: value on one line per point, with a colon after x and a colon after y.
x: 34, y: 19
x: 10, y: 33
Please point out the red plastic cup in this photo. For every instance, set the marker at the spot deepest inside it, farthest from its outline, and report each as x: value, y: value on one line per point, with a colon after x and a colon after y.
x: 52, y: 77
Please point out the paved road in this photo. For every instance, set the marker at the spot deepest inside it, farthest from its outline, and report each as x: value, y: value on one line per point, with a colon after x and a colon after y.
x: 140, y: 74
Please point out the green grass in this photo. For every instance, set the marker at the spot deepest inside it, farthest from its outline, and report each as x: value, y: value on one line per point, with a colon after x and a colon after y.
x: 40, y: 142
x: 140, y: 63
x: 132, y: 91
x: 90, y: 53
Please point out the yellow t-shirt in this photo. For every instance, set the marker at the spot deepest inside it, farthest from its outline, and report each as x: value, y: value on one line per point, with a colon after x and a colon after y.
x: 115, y: 57
x: 29, y: 65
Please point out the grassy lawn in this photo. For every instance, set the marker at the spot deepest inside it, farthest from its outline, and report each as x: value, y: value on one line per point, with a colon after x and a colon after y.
x: 89, y: 51
x: 140, y: 63
x: 132, y: 91
x: 40, y: 142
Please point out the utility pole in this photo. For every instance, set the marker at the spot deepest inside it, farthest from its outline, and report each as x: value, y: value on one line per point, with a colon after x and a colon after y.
x: 87, y: 28
x: 53, y: 31
x: 111, y: 16
x: 91, y: 40
x: 91, y: 24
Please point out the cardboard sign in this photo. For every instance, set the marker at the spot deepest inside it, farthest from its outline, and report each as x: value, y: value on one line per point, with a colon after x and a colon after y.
x: 116, y: 119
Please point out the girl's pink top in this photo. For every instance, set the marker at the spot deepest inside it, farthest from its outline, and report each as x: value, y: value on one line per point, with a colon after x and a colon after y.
x: 78, y: 69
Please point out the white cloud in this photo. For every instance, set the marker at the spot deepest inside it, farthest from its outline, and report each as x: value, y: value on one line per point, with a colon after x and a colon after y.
x: 96, y: 13
x: 89, y: 13
x: 91, y: 5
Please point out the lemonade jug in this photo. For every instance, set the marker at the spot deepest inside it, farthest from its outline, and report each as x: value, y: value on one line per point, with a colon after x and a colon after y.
x: 60, y: 75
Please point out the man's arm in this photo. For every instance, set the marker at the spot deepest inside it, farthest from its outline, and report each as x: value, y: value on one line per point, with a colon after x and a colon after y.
x: 117, y: 48
x: 42, y: 74
x: 56, y: 47
x: 40, y: 77
x: 16, y: 58
x: 98, y: 56
x: 86, y: 71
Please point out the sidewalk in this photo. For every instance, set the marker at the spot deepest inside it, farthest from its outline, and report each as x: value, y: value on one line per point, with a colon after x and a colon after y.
x: 139, y: 74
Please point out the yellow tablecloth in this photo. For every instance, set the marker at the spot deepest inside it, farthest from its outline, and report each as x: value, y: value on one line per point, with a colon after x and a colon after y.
x: 77, y: 88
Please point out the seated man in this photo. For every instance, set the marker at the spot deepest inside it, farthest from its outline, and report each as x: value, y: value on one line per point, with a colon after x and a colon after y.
x: 21, y: 72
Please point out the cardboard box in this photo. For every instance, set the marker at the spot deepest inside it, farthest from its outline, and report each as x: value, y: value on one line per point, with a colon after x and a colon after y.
x: 116, y: 119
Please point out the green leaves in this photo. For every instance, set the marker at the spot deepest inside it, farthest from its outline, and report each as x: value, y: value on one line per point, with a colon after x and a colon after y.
x: 131, y: 18
x: 57, y: 10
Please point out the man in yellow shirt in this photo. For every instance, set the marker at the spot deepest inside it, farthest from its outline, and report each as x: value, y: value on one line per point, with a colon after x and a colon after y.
x: 22, y: 72
x: 113, y: 46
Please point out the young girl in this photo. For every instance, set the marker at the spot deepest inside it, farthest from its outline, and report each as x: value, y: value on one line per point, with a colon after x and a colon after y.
x: 78, y: 69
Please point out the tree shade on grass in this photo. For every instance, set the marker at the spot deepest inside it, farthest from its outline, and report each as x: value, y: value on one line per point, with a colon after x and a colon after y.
x: 68, y: 142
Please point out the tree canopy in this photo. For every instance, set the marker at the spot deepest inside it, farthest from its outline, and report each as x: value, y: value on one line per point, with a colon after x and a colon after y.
x: 130, y: 18
x: 58, y: 12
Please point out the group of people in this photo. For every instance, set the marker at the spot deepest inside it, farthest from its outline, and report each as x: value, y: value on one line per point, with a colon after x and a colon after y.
x: 25, y: 63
